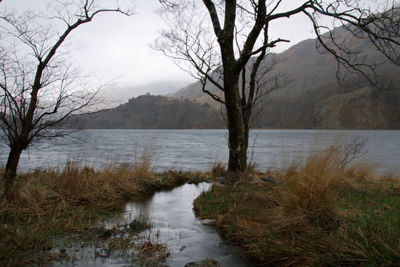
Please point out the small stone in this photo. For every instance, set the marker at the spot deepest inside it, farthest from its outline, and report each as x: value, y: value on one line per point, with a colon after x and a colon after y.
x: 232, y: 177
x: 221, y: 180
x: 203, y: 263
x: 156, y: 264
x: 268, y: 179
x: 99, y: 231
x: 229, y: 179
x: 209, y: 222
x: 377, y: 212
x: 52, y: 197
x: 103, y: 255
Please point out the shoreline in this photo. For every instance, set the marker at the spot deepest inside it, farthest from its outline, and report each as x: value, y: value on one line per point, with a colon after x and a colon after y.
x: 324, y: 201
x: 67, y: 204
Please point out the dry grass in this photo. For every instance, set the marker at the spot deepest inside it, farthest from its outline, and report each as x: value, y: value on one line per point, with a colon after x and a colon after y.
x: 326, y: 212
x: 67, y: 201
x: 218, y: 170
x: 76, y: 185
x: 312, y: 192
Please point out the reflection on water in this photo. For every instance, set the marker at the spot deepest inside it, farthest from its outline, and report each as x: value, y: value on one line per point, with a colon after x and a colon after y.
x: 199, y: 149
x: 185, y: 235
x: 174, y: 225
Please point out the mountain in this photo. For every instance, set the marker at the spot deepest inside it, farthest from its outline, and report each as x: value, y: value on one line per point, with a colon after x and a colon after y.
x: 310, y: 97
x: 374, y: 111
x: 149, y: 112
x: 313, y: 97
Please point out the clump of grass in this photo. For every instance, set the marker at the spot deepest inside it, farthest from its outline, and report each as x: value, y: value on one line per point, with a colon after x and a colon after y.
x: 218, y: 170
x: 150, y: 253
x: 65, y: 202
x: 311, y: 193
x: 140, y: 224
x: 326, y: 213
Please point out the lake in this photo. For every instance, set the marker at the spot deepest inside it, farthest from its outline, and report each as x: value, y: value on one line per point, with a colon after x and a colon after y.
x: 200, y: 149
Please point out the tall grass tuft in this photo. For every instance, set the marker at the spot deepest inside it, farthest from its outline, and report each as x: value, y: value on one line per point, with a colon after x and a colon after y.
x: 311, y: 193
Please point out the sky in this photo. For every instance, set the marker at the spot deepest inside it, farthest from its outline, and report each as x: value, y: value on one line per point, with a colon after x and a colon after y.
x: 116, y: 49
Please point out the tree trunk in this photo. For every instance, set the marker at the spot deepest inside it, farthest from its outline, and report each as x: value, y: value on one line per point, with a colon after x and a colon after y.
x: 246, y: 138
x: 237, y: 143
x: 11, y: 172
x: 231, y: 73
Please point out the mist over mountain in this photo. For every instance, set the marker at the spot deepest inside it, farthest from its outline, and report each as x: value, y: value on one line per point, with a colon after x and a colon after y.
x: 311, y: 97
x: 115, y: 95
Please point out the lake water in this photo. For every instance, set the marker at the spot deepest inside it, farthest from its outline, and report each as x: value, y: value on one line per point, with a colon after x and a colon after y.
x: 200, y: 149
x: 171, y: 212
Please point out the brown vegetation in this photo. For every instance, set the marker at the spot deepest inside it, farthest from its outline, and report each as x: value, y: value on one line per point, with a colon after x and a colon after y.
x: 66, y: 202
x: 324, y: 213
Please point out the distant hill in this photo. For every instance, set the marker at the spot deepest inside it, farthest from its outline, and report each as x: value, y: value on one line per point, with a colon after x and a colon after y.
x: 149, y: 112
x: 312, y: 85
x: 115, y: 95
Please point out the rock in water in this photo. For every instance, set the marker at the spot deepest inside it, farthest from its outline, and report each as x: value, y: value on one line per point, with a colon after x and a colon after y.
x: 139, y: 225
x: 204, y: 263
x: 99, y: 232
x: 269, y: 179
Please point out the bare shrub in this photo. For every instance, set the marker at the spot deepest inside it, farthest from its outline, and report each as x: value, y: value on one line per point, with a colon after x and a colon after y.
x: 347, y: 152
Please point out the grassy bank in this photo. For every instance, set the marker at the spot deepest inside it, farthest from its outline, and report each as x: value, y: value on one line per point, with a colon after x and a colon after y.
x: 65, y: 203
x: 326, y: 213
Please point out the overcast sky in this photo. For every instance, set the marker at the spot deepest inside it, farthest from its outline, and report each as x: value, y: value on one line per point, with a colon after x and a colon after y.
x: 115, y: 47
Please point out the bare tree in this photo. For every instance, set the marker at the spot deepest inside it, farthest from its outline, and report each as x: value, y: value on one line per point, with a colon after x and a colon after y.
x: 191, y: 42
x: 221, y: 40
x: 37, y: 86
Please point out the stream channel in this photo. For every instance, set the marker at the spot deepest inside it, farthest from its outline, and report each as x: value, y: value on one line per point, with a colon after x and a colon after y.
x: 175, y: 225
